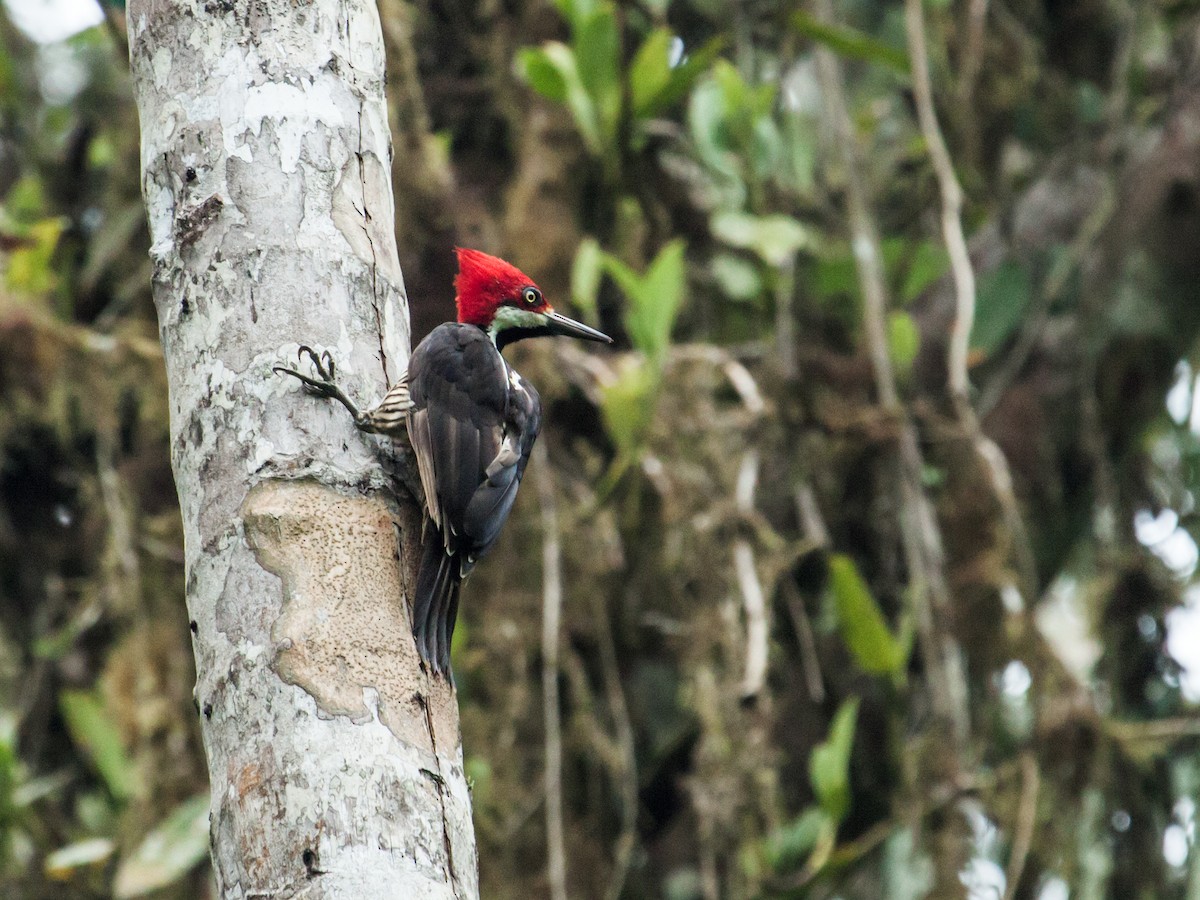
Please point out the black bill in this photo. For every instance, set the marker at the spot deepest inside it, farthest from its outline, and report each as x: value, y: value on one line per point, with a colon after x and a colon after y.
x: 560, y: 324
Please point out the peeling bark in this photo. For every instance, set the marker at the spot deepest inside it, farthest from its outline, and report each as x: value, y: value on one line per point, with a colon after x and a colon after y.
x: 335, y: 762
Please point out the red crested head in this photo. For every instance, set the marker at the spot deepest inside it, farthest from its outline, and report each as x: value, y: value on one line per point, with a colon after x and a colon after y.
x: 485, y: 283
x: 505, y: 302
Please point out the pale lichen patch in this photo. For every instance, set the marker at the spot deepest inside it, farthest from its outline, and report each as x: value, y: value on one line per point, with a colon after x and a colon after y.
x: 366, y: 229
x: 343, y: 627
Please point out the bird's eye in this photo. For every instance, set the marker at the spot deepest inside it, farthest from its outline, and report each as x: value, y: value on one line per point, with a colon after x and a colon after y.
x: 530, y: 295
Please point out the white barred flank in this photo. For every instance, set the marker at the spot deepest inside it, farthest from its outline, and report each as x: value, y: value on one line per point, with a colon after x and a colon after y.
x: 389, y: 416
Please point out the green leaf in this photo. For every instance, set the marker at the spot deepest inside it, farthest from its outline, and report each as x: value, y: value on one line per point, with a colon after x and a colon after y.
x: 1002, y: 297
x: 29, y: 268
x: 654, y: 85
x: 575, y: 11
x: 738, y: 278
x: 766, y: 146
x: 654, y: 298
x: 775, y: 238
x: 585, y: 275
x: 597, y: 47
x: 29, y: 792
x: 92, y: 729
x: 168, y: 852
x: 829, y: 765
x: 552, y: 71
x: 733, y: 124
x: 928, y: 262
x: 650, y: 70
x: 96, y: 811
x: 626, y: 406
x: 789, y: 844
x: 904, y: 340
x: 706, y: 121
x: 62, y: 862
x: 10, y: 778
x: 684, y: 75
x: 734, y: 90
x: 826, y: 841
x: 541, y: 73
x: 800, y: 150
x: 894, y: 252
x: 102, y: 151
x: 862, y: 623
x: 7, y: 79
x: 836, y: 276
x: 26, y: 201
x: 851, y: 42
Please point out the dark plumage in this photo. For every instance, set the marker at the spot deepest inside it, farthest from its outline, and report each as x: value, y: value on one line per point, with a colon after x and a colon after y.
x: 472, y: 424
x: 472, y: 421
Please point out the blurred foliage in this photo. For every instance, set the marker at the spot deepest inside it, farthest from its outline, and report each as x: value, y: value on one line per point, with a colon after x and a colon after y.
x: 811, y: 836
x: 668, y: 166
x: 98, y: 742
x: 862, y: 623
x: 609, y: 101
x: 168, y: 852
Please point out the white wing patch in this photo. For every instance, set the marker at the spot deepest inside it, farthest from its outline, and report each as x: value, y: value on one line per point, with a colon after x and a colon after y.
x: 418, y: 429
x: 508, y: 456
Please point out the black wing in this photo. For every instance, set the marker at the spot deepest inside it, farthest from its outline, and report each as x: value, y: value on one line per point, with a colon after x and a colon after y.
x: 458, y: 387
x: 472, y: 424
x: 494, y: 498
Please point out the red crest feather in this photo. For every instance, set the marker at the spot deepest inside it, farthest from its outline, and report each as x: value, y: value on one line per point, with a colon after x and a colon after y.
x: 484, y: 283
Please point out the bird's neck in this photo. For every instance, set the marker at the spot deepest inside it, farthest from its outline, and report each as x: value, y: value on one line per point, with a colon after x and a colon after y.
x: 510, y: 324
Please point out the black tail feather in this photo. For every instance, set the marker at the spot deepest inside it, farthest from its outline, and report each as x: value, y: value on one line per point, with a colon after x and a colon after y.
x: 436, y: 614
x: 435, y: 603
x: 447, y: 615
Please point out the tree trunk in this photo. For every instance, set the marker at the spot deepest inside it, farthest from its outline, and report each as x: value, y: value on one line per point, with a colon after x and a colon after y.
x: 335, y: 762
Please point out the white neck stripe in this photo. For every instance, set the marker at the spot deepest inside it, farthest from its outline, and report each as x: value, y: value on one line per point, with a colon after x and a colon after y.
x: 511, y: 317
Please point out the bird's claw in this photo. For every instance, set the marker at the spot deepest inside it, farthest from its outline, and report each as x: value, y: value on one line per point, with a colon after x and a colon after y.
x: 323, y: 385
x: 310, y: 385
x: 322, y: 364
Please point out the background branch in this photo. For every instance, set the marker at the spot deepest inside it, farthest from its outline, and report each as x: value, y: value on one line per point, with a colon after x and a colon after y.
x: 552, y: 598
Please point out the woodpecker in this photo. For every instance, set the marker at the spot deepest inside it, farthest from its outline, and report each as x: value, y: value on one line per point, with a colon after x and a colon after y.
x: 472, y: 420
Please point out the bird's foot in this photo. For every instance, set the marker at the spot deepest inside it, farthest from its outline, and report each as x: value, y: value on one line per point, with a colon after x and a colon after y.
x: 324, y: 384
